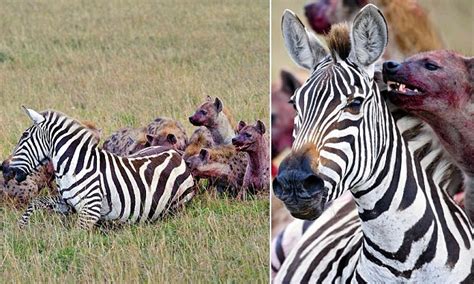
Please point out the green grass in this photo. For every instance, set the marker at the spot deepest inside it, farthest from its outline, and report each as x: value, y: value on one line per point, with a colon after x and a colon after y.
x: 123, y: 63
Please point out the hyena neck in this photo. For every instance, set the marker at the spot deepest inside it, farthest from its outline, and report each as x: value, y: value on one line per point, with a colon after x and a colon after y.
x: 222, y: 131
x: 258, y: 161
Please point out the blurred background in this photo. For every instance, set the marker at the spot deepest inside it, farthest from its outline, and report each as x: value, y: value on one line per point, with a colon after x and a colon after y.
x: 452, y: 19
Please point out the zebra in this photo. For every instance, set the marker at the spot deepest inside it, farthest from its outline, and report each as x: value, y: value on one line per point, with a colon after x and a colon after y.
x: 95, y: 183
x: 346, y: 140
x: 426, y: 148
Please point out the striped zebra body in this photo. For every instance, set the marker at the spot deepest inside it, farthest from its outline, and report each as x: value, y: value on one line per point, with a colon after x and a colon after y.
x: 97, y: 184
x: 408, y: 228
x: 425, y: 147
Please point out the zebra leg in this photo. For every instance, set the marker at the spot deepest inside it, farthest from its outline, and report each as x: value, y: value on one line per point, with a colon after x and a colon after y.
x: 55, y: 203
x: 89, y: 214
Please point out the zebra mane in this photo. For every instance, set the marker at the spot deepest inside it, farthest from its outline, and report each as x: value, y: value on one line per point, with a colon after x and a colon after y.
x: 87, y: 125
x: 339, y: 41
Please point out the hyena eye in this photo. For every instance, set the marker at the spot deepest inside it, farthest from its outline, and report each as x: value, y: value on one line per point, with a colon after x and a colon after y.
x: 247, y: 135
x: 203, y: 112
x: 431, y: 66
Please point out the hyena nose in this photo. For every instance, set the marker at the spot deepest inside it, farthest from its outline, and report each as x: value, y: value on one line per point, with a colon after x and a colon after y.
x: 391, y: 67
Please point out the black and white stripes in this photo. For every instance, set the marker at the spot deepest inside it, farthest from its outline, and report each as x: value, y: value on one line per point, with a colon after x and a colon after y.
x: 98, y: 184
x: 347, y: 140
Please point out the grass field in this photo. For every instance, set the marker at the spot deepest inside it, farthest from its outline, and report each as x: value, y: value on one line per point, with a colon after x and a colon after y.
x: 123, y: 63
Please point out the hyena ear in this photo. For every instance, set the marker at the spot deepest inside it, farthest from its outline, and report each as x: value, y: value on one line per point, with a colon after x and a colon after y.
x: 289, y: 82
x: 204, y: 154
x: 260, y: 127
x: 171, y: 138
x: 36, y: 117
x: 302, y: 46
x: 369, y: 37
x: 241, y: 125
x: 150, y: 138
x: 218, y: 105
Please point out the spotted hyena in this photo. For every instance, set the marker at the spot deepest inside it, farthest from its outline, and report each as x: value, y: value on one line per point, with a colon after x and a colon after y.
x: 24, y: 191
x: 223, y: 165
x: 165, y: 131
x: 201, y: 138
x: 283, y: 112
x: 437, y: 87
x: 126, y: 141
x: 252, y: 141
x: 410, y: 27
x: 216, y: 118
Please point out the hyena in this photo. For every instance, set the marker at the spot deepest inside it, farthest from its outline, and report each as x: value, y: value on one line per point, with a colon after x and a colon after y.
x: 126, y: 141
x: 216, y: 118
x: 201, y: 138
x: 437, y: 87
x: 22, y: 192
x: 223, y: 166
x: 283, y: 113
x: 251, y: 140
x: 410, y: 26
x: 165, y: 131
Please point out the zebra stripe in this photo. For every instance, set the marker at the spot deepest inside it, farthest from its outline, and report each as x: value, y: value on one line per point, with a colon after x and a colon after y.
x: 347, y: 139
x: 98, y: 184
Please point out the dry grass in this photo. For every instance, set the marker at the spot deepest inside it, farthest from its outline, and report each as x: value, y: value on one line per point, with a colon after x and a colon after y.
x: 122, y: 63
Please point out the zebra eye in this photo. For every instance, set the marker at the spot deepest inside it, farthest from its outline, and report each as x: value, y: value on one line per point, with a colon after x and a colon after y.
x: 355, y: 104
x: 24, y: 135
x: 431, y: 66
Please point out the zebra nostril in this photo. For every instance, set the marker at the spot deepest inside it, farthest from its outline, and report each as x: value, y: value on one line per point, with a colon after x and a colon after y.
x: 313, y: 184
x: 277, y: 187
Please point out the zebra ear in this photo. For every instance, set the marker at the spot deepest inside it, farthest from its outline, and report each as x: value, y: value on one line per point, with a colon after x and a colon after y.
x: 369, y: 37
x: 303, y: 47
x: 36, y: 117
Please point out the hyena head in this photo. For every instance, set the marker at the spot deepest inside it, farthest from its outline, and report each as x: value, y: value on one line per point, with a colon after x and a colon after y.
x: 198, y: 160
x: 322, y: 14
x: 206, y: 114
x: 249, y: 137
x: 431, y: 84
x: 163, y: 139
x: 34, y: 148
x: 339, y: 109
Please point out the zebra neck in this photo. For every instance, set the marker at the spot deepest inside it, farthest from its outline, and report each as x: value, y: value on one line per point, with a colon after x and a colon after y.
x: 73, y: 156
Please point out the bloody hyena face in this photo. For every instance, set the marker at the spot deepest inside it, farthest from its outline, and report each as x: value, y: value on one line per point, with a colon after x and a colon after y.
x: 434, y: 82
x: 322, y: 14
x: 283, y: 113
x: 248, y: 137
x: 206, y: 114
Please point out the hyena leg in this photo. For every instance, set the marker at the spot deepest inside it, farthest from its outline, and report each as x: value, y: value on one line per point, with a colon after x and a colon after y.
x: 55, y: 203
x: 89, y: 214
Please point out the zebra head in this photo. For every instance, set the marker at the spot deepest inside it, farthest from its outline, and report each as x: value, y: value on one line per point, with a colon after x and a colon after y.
x: 31, y: 151
x: 339, y: 111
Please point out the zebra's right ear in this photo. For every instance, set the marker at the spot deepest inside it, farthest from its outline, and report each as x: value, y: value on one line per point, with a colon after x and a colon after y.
x: 36, y: 117
x: 303, y: 47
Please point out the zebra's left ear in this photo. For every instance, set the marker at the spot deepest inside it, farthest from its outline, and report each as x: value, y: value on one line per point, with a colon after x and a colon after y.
x: 369, y: 37
x: 36, y: 117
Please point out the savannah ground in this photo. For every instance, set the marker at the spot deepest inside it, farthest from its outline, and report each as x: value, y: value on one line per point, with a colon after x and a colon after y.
x: 123, y: 63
